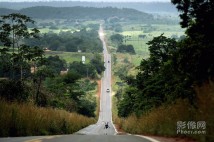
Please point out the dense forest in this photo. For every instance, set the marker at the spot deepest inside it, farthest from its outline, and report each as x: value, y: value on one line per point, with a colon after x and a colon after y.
x: 87, y: 13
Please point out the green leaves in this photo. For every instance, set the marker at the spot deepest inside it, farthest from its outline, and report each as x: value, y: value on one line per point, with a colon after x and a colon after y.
x: 196, y: 53
x: 126, y: 49
x: 117, y: 39
x: 13, y: 30
x: 158, y: 81
x: 197, y: 18
x: 98, y: 63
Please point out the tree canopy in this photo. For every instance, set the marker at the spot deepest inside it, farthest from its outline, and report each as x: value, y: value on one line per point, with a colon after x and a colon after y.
x: 83, y: 40
x: 126, y: 49
x: 197, y: 50
x: 13, y: 30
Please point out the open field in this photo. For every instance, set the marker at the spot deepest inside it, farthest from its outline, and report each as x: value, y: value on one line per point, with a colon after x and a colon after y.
x: 47, y: 30
x: 132, y: 35
x: 139, y: 34
x: 70, y: 57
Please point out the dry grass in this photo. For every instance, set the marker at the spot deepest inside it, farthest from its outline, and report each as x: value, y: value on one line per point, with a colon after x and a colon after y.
x: 163, y: 120
x: 27, y: 119
x: 205, y: 101
x: 160, y: 121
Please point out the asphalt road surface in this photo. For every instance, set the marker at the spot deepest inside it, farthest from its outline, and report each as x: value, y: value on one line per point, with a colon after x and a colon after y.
x: 105, y: 115
x: 95, y: 132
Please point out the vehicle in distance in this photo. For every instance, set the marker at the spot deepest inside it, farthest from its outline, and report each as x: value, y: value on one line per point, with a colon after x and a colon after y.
x: 108, y: 61
x: 107, y: 90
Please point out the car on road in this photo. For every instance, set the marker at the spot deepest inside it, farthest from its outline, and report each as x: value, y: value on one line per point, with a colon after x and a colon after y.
x: 108, y: 90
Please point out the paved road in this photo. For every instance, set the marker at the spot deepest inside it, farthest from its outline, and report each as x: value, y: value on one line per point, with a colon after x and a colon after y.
x: 105, y: 115
x: 95, y: 132
x: 78, y: 138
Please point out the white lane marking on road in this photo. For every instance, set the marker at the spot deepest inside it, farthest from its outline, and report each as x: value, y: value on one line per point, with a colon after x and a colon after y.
x: 148, y: 138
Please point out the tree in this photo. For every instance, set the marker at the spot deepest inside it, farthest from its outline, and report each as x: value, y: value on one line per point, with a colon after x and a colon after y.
x: 98, y: 63
x: 197, y: 17
x: 13, y: 29
x: 158, y: 80
x: 161, y: 50
x: 126, y: 49
x: 117, y: 39
x: 84, y: 70
x: 55, y: 64
x: 13, y: 32
x: 196, y: 53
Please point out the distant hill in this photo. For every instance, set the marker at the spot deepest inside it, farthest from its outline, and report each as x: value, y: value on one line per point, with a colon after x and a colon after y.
x: 44, y: 12
x: 149, y: 7
x: 5, y: 11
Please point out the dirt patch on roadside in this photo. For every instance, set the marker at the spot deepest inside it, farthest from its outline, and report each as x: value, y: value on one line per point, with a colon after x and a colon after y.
x: 119, y: 130
x: 98, y: 93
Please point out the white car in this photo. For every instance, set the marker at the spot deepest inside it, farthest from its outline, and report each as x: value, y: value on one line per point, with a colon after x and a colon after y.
x: 107, y: 90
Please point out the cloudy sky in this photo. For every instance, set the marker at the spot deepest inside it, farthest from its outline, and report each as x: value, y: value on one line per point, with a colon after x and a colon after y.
x: 91, y: 0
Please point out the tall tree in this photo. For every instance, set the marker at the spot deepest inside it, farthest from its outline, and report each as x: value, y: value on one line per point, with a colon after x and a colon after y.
x: 13, y: 29
x: 197, y: 17
x: 196, y: 53
x: 13, y: 32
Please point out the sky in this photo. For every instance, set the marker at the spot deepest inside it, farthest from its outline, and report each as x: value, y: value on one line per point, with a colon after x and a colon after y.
x: 91, y: 0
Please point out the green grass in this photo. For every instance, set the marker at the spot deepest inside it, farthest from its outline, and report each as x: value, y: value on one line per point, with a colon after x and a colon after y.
x: 70, y: 57
x: 134, y: 30
x: 47, y: 30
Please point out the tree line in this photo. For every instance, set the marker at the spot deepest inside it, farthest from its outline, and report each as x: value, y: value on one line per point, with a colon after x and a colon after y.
x: 88, y: 13
x: 83, y: 40
x: 153, y: 7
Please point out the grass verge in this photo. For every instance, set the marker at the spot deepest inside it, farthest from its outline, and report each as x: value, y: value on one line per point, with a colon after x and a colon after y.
x: 28, y: 120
